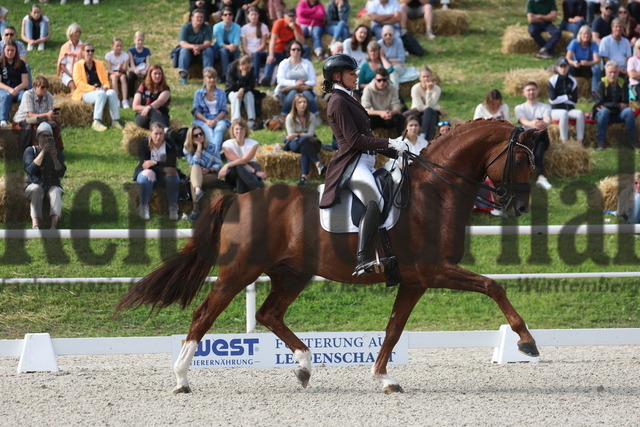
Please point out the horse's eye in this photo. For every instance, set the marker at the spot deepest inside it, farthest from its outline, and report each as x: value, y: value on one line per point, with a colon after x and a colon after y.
x: 518, y: 161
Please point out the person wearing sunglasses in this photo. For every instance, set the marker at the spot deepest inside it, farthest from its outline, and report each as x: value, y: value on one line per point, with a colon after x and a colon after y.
x: 226, y: 47
x: 296, y: 75
x: 602, y: 24
x: 9, y: 34
x: 444, y: 127
x: 382, y: 102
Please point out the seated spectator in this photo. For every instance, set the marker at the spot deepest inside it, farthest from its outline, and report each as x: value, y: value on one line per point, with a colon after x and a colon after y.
x: 195, y: 44
x: 492, y: 107
x: 210, y: 108
x: 92, y: 87
x: 204, y: 159
x: 242, y: 172
x: 540, y: 16
x: 336, y: 47
x: 629, y: 201
x: 13, y: 80
x: 536, y: 115
x: 44, y: 165
x: 356, y: 45
x: 375, y: 60
x: 152, y: 99
x: 9, y: 34
x: 386, y: 12
x: 3, y: 18
x: 226, y: 47
x: 70, y: 53
x: 634, y: 9
x: 37, y: 107
x: 394, y: 52
x: 382, y: 102
x: 35, y: 29
x: 157, y: 166
x: 583, y: 57
x: 138, y: 64
x: 240, y: 86
x: 629, y: 25
x: 615, y: 47
x: 444, y: 127
x: 296, y: 75
x: 563, y: 95
x: 283, y: 32
x: 424, y: 102
x: 612, y: 105
x: 117, y: 63
x: 254, y: 36
x: 633, y: 71
x: 593, y: 7
x: 574, y: 14
x: 311, y: 16
x: 301, y: 126
x: 338, y: 13
x: 601, y: 26
x: 416, y: 9
x: 207, y: 6
x: 414, y: 137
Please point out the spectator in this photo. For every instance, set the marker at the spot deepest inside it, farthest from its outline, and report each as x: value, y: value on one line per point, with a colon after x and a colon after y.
x: 296, y: 75
x: 414, y: 137
x: 92, y: 87
x: 338, y: 13
x: 416, y: 9
x: 612, y: 105
x: 629, y: 201
x: 13, y: 80
x: 492, y: 107
x: 382, y: 102
x: 275, y: 9
x: 35, y: 29
x: 574, y: 13
x: 615, y: 47
x: 3, y: 18
x: 157, y: 167
x: 629, y: 25
x: 152, y: 99
x: 210, y: 108
x: 254, y: 36
x: 593, y: 7
x: 563, y: 95
x: 336, y: 47
x: 583, y: 57
x: 117, y: 63
x: 376, y: 59
x: 227, y: 41
x: 634, y: 9
x: 424, y: 102
x: 44, y: 166
x: 444, y: 127
x: 204, y: 159
x: 70, y: 53
x: 240, y: 85
x: 356, y: 45
x: 283, y: 32
x: 394, y: 52
x: 242, y: 171
x: 602, y: 24
x: 301, y: 125
x: 633, y: 70
x: 386, y: 12
x: 9, y: 34
x: 311, y: 16
x: 139, y: 63
x: 536, y: 115
x: 207, y: 6
x: 195, y: 44
x: 540, y: 15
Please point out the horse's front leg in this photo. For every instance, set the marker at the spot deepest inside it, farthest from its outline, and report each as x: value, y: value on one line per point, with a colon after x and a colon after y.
x: 406, y: 300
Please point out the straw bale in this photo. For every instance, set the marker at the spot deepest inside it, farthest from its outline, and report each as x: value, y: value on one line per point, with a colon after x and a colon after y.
x: 158, y: 203
x: 56, y: 86
x: 589, y: 135
x: 515, y: 80
x: 405, y: 90
x: 567, y: 160
x: 362, y: 20
x: 10, y: 147
x: 195, y: 71
x: 616, y: 135
x: 77, y: 113
x: 270, y: 107
x: 175, y: 124
x: 584, y: 87
x: 634, y: 105
x: 384, y: 133
x: 516, y: 39
x: 132, y: 135
x: 279, y: 164
x: 13, y: 203
x: 448, y: 22
x: 609, y: 188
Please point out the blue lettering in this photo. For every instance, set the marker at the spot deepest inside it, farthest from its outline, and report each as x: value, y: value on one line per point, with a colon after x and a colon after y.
x: 203, y: 348
x: 251, y: 342
x: 284, y: 359
x: 218, y: 346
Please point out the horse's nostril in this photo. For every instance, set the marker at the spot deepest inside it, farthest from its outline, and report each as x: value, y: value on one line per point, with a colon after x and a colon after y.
x: 523, y: 209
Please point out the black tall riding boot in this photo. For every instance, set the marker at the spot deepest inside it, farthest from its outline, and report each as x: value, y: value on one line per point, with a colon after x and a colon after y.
x: 367, y: 234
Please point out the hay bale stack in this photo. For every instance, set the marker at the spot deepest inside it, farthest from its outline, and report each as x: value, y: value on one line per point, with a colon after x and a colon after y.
x: 10, y: 147
x: 270, y: 107
x: 384, y: 133
x: 158, y: 204
x: 13, y: 203
x: 279, y: 164
x: 616, y: 135
x: 516, y: 39
x: 589, y: 134
x: 448, y: 22
x: 634, y: 105
x: 175, y: 124
x: 323, y: 103
x: 567, y: 160
x: 77, y: 113
x: 362, y: 20
x: 606, y: 197
x: 405, y: 90
x: 515, y: 80
x: 132, y: 135
x: 56, y: 87
x: 584, y: 87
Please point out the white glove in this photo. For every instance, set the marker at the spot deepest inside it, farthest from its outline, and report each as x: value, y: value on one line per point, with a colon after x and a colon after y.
x: 398, y: 144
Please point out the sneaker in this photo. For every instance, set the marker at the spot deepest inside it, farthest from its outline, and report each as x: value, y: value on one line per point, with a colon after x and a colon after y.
x: 321, y: 168
x: 173, y: 213
x: 96, y: 1
x: 498, y: 212
x: 265, y: 81
x: 445, y: 6
x: 199, y: 195
x: 183, y: 80
x: 302, y: 181
x: 251, y: 124
x: 193, y: 216
x: 97, y: 126
x: 143, y: 212
x: 41, y: 46
x: 63, y: 1
x: 116, y: 125
x: 125, y: 104
x: 35, y: 227
x: 86, y: 2
x: 4, y: 124
x: 544, y: 54
x: 543, y: 183
x: 429, y: 35
x: 29, y: 47
x: 600, y: 146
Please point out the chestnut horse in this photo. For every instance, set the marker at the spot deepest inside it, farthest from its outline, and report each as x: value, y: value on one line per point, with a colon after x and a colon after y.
x: 276, y: 231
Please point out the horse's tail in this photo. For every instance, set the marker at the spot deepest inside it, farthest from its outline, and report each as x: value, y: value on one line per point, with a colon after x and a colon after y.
x: 182, y: 275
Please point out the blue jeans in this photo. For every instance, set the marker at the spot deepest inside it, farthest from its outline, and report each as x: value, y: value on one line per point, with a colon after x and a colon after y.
x: 186, y: 57
x: 635, y: 219
x: 605, y: 116
x: 339, y: 31
x: 100, y: 98
x: 268, y: 70
x: 145, y: 188
x: 28, y: 28
x: 572, y: 26
x: 216, y: 134
x: 259, y: 58
x: 308, y: 152
x: 287, y: 101
x: 537, y: 29
x: 316, y: 35
x: 226, y: 57
x: 5, y: 103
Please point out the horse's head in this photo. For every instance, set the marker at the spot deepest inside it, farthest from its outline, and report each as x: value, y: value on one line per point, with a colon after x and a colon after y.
x: 510, y: 167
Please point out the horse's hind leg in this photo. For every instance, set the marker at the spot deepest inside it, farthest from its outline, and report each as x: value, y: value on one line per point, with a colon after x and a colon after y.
x: 285, y: 288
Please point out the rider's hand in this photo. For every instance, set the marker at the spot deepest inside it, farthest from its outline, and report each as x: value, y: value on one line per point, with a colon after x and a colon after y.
x: 399, y: 144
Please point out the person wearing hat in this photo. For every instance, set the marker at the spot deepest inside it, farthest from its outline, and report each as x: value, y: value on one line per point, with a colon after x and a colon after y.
x: 540, y: 16
x: 353, y: 165
x: 44, y: 166
x: 563, y: 95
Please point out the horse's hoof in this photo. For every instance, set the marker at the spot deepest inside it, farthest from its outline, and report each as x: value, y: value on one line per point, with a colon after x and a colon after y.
x: 393, y: 388
x: 183, y: 389
x: 303, y: 376
x: 529, y: 348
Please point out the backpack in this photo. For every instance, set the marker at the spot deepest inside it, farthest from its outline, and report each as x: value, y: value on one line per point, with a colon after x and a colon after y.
x: 412, y: 45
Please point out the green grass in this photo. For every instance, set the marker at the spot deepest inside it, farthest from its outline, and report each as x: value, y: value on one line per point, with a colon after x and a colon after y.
x: 99, y: 173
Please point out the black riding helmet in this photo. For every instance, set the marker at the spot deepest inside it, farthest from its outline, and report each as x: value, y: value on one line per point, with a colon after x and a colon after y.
x: 336, y: 64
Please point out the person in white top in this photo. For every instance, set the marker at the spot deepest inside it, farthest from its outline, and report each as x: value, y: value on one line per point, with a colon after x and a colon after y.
x: 414, y: 137
x: 424, y: 101
x: 356, y: 45
x: 492, y: 107
x: 117, y: 63
x: 242, y: 171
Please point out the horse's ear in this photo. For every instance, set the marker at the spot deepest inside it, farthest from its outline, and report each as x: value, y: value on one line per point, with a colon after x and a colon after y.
x: 531, y: 135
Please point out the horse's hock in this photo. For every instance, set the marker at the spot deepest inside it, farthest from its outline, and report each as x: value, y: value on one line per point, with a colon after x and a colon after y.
x: 516, y: 39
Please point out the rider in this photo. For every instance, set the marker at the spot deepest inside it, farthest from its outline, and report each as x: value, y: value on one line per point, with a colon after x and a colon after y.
x: 353, y: 165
